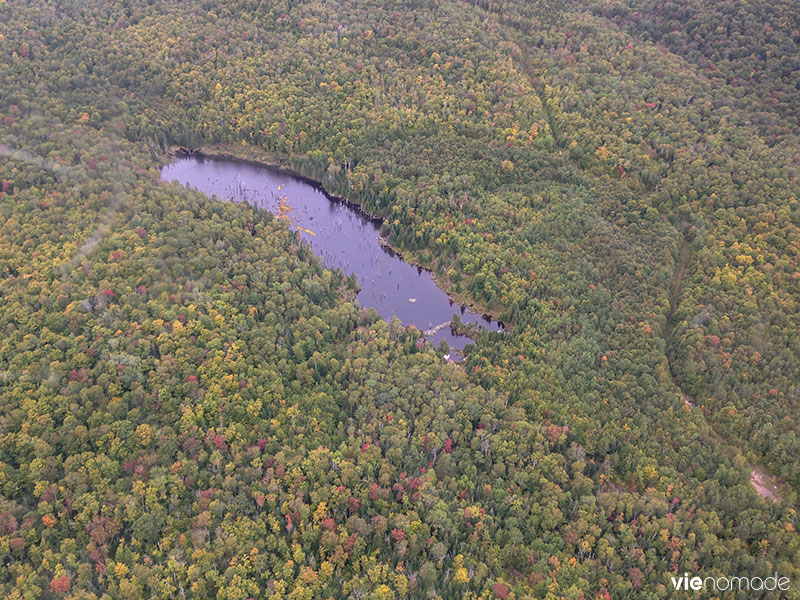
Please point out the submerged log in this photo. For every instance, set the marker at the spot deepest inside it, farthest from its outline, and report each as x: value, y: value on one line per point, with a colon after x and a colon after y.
x: 437, y: 329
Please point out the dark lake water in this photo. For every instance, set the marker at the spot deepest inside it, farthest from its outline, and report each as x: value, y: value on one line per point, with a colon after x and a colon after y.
x: 342, y: 237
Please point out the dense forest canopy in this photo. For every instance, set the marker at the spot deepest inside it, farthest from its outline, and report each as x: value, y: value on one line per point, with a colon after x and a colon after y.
x: 192, y: 407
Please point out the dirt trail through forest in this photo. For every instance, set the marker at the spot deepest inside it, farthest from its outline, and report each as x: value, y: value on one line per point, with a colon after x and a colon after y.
x: 675, y: 290
x: 765, y: 484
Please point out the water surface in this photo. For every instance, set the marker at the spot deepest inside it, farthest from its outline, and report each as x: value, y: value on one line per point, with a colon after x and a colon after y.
x: 342, y: 237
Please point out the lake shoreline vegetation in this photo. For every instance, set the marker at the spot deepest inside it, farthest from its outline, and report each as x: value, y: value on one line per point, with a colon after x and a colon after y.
x: 191, y: 406
x: 247, y: 155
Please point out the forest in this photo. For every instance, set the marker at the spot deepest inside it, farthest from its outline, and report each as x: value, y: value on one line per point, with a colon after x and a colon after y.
x: 192, y: 407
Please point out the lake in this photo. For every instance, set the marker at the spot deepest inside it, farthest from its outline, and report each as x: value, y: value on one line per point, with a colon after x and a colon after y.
x: 342, y: 237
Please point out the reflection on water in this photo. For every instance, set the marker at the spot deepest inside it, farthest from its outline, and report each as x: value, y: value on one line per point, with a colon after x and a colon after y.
x: 343, y: 238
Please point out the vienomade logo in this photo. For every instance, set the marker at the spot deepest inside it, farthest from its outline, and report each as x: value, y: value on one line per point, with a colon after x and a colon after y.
x: 721, y: 584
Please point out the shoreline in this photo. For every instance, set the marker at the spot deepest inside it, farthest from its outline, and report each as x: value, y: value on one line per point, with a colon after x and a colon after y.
x: 224, y: 152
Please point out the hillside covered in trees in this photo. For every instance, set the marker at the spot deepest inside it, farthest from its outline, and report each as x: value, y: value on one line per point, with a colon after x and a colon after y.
x: 192, y: 407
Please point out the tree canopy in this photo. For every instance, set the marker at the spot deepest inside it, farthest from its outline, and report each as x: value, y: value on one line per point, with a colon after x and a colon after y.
x: 192, y: 407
